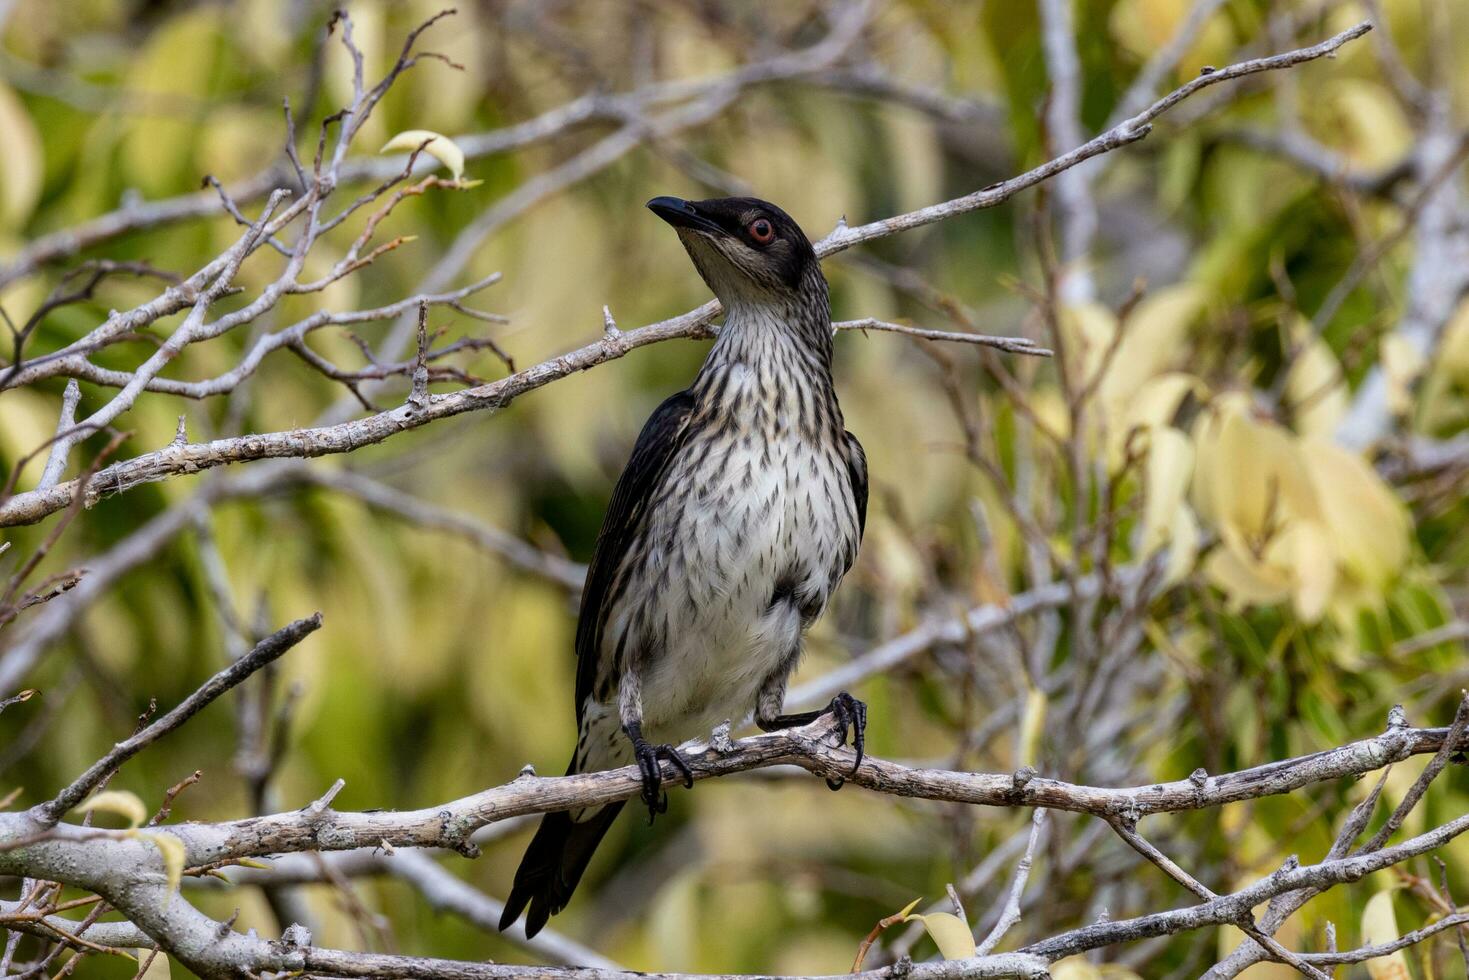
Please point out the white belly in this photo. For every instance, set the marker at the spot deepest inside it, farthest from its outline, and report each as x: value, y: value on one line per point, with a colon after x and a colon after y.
x: 775, y: 515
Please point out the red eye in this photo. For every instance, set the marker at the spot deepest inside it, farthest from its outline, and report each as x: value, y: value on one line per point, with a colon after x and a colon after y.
x: 762, y: 231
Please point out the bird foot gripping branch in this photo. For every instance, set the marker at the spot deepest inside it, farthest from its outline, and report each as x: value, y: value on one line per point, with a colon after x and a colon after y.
x: 851, y: 717
x: 650, y: 758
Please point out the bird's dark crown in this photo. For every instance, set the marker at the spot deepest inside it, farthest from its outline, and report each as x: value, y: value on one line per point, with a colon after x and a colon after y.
x: 739, y: 242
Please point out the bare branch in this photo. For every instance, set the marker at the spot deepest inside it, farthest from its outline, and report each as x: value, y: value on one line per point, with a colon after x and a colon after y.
x: 1073, y: 196
x: 1012, y: 345
x: 102, y: 859
x: 268, y: 650
x: 56, y: 462
x: 451, y: 824
x: 1011, y: 913
x: 1129, y: 131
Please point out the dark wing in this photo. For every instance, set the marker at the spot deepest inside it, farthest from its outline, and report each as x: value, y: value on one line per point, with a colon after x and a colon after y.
x: 656, y: 447
x: 857, y: 471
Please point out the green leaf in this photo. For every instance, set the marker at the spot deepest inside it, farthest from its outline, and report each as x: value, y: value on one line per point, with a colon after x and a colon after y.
x: 905, y: 913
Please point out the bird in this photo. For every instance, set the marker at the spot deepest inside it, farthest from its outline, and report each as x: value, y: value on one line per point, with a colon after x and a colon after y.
x: 740, y: 510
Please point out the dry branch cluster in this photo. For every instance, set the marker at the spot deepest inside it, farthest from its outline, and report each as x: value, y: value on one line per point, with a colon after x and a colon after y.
x: 129, y: 880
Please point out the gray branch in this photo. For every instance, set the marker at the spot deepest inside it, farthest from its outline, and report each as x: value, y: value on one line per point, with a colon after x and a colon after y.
x: 125, y: 870
x: 267, y: 650
x: 1078, y: 210
x: 53, y: 850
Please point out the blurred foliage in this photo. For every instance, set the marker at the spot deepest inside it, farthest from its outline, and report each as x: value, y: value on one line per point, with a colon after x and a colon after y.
x: 440, y: 671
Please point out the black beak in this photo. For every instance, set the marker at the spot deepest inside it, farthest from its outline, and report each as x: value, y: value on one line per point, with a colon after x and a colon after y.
x: 683, y: 214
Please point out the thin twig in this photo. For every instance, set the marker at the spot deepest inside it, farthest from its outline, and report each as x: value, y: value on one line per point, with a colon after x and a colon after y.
x: 268, y: 650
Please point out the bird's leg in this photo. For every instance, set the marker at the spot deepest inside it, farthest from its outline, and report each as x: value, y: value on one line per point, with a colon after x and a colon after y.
x: 851, y: 716
x: 630, y: 707
x: 649, y: 758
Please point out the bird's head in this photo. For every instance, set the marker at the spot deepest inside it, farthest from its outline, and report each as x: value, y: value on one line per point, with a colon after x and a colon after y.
x: 749, y: 251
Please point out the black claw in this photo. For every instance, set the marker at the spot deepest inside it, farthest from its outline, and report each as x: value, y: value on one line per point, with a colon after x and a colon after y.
x: 671, y: 754
x: 649, y: 759
x: 851, y: 716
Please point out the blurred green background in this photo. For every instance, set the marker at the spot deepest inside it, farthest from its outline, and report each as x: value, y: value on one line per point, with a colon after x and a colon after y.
x: 441, y: 670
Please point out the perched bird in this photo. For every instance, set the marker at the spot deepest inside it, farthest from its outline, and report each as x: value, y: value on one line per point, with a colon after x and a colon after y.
x: 740, y: 510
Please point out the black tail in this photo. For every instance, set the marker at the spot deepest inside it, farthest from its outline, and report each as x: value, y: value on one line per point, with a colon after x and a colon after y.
x: 552, y: 866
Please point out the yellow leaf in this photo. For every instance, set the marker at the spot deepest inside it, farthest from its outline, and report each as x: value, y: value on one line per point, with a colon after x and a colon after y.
x: 1051, y: 411
x: 1441, y: 404
x: 1183, y: 545
x: 1170, y: 467
x: 1033, y: 725
x: 1144, y: 26
x: 1155, y: 403
x: 1365, y: 122
x: 1240, y: 493
x: 21, y: 161
x: 1315, y: 389
x: 442, y: 148
x: 118, y: 801
x: 1244, y: 579
x: 1453, y: 352
x: 1379, y: 926
x: 1074, y: 968
x: 174, y: 855
x: 950, y: 933
x: 1257, y: 478
x: 1305, y: 548
x: 1401, y: 363
x: 1151, y: 337
x: 1369, y: 526
x: 157, y: 967
x: 1152, y: 406
x: 1089, y: 329
x: 1208, y: 471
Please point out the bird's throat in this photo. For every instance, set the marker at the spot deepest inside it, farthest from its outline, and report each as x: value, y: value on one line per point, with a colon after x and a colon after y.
x: 770, y: 371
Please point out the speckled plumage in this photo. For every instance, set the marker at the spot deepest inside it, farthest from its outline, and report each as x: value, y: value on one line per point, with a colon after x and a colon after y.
x: 746, y: 537
x: 741, y: 509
